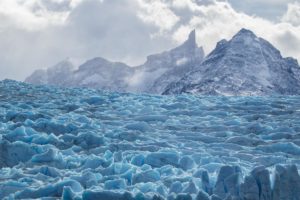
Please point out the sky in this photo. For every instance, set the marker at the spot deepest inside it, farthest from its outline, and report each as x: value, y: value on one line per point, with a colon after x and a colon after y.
x: 36, y: 34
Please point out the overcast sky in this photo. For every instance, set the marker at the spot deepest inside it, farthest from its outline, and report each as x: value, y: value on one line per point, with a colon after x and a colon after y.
x: 37, y: 34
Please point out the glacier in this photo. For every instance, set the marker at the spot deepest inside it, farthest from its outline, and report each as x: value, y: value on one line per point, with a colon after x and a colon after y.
x: 81, y: 144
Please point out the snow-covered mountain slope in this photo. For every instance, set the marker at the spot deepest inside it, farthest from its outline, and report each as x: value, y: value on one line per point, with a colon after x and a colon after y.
x: 151, y: 77
x: 102, y: 74
x: 84, y: 144
x: 60, y: 74
x: 162, y: 69
x: 95, y: 73
x: 245, y: 65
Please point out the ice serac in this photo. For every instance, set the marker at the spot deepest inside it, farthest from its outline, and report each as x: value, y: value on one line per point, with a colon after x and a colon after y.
x: 244, y: 65
x: 286, y: 183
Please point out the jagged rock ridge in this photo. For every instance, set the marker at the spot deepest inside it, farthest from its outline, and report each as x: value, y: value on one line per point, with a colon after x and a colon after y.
x: 152, y: 77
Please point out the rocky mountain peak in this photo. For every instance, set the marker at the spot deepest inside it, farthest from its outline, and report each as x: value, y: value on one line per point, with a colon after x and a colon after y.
x: 245, y: 33
x: 245, y: 65
x: 191, y: 41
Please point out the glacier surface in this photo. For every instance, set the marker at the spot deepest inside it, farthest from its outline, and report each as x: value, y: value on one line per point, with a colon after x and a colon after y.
x: 58, y: 143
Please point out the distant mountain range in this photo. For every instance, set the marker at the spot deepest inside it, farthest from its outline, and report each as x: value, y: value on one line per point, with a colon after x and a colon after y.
x: 153, y: 76
x: 244, y: 65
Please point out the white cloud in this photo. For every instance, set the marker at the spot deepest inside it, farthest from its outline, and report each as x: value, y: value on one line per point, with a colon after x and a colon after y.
x: 183, y: 4
x: 219, y: 20
x: 38, y: 33
x: 158, y: 13
x: 268, y: 9
x: 33, y: 14
x: 111, y: 29
x: 293, y: 14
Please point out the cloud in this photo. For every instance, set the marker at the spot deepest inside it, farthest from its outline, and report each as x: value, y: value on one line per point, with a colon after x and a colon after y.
x: 111, y: 29
x: 219, y: 20
x: 289, y: 40
x: 158, y: 14
x: 32, y: 14
x: 268, y: 9
x: 39, y: 33
x: 293, y: 14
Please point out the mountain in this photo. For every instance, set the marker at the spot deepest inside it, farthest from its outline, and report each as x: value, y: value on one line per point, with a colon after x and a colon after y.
x: 103, y: 74
x: 96, y: 73
x: 245, y: 65
x: 153, y: 76
x: 60, y: 74
x: 162, y: 69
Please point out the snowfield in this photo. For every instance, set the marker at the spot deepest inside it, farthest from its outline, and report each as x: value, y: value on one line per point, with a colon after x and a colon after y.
x: 92, y: 145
